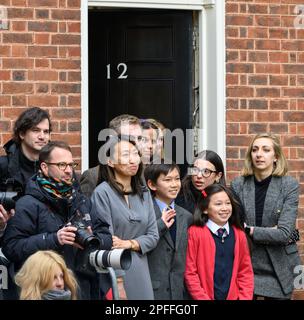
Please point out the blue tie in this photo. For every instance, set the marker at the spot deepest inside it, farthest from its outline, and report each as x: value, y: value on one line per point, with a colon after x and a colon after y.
x: 221, y: 233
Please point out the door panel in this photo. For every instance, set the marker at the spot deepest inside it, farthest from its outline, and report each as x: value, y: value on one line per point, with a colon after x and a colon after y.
x: 156, y: 47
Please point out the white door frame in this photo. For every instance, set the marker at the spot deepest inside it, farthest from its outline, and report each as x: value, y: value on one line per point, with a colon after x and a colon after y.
x: 212, y: 113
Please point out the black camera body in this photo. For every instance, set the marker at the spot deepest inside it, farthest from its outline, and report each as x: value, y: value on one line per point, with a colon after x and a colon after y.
x: 83, y: 237
x: 9, y: 193
x: 8, y: 199
x: 92, y: 259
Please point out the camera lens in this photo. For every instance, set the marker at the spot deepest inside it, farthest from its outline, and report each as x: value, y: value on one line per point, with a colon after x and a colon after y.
x: 116, y: 258
x: 85, y: 238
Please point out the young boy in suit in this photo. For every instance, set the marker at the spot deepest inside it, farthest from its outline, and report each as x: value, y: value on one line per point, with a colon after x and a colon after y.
x: 167, y: 260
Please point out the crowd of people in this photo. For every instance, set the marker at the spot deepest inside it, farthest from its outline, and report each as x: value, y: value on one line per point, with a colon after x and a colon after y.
x: 191, y: 237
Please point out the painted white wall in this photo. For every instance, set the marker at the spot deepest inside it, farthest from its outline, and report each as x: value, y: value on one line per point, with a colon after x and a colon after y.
x: 212, y: 67
x: 157, y: 4
x: 212, y: 75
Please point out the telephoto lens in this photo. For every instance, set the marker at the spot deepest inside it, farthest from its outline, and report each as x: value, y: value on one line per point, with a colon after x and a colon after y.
x: 116, y: 258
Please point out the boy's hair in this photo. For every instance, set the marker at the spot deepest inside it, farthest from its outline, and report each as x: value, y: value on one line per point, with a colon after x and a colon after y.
x: 29, y: 119
x: 153, y: 171
x: 200, y: 218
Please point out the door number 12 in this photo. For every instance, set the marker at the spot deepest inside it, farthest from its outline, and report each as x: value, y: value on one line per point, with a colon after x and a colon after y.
x: 121, y: 67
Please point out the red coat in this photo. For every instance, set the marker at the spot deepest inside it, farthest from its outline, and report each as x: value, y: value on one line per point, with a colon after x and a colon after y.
x: 200, y: 264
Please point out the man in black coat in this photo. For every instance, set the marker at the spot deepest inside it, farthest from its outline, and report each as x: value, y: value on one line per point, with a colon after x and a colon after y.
x: 45, y: 218
x: 31, y: 132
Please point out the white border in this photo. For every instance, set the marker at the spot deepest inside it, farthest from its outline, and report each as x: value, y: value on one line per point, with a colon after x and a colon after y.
x: 212, y: 67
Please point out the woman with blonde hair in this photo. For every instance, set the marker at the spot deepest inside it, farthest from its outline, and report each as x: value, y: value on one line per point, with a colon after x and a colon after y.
x: 45, y: 276
x: 270, y: 201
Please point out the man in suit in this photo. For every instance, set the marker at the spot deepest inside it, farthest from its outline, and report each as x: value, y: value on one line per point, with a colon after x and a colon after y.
x: 167, y: 260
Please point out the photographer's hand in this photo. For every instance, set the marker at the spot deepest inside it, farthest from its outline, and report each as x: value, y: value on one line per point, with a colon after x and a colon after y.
x: 66, y: 235
x: 5, y: 216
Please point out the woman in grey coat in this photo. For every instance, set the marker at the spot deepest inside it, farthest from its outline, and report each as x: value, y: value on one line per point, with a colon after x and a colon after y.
x: 270, y: 201
x: 127, y: 206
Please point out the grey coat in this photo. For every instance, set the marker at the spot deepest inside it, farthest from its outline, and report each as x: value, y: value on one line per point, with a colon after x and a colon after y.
x: 273, y: 260
x: 88, y: 181
x: 136, y: 221
x: 166, y: 261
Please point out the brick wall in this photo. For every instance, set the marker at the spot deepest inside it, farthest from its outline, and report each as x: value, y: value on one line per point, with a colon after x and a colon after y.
x: 265, y: 78
x: 40, y: 65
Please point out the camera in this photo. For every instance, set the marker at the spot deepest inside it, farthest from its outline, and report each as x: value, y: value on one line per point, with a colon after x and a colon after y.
x: 90, y: 260
x: 8, y: 199
x: 83, y: 237
x: 116, y: 259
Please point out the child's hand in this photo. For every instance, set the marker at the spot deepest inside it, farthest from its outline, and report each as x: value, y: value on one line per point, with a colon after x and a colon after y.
x: 168, y: 217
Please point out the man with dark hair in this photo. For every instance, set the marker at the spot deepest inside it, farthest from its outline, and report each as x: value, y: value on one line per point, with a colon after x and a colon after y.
x: 31, y: 132
x: 45, y: 216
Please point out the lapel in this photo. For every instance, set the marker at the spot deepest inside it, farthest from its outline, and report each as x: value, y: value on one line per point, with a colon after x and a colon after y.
x: 271, y: 199
x: 179, y: 227
x: 249, y: 200
x: 166, y: 235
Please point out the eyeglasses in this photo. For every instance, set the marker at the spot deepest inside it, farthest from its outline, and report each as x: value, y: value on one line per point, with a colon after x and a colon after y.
x: 63, y: 165
x: 206, y: 173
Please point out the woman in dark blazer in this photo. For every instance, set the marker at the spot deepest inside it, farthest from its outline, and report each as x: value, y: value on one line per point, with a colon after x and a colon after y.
x: 270, y: 201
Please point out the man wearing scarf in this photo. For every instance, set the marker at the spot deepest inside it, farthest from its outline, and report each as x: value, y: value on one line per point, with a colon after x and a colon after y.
x: 41, y: 221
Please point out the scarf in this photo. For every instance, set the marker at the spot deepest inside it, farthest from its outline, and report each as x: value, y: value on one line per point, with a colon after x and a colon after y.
x: 56, y: 187
x: 57, y: 295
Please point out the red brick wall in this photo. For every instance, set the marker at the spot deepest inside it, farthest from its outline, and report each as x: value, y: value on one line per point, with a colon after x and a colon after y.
x: 265, y: 55
x: 40, y: 65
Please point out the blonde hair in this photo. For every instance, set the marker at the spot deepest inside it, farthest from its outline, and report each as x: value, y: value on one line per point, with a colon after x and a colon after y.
x: 37, y: 274
x: 280, y: 166
x: 157, y: 124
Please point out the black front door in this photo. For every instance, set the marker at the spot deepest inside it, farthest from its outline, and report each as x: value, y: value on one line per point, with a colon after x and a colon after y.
x: 140, y: 63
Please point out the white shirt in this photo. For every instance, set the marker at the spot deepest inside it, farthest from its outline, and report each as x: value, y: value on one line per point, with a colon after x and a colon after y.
x: 213, y: 227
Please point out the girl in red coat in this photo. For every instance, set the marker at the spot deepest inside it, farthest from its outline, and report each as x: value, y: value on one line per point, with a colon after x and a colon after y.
x: 218, y: 263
